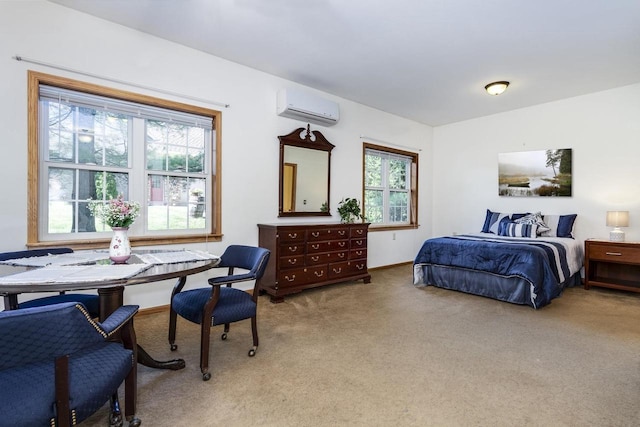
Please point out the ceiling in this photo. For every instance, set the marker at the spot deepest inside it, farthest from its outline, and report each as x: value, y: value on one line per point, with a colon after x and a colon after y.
x: 426, y: 60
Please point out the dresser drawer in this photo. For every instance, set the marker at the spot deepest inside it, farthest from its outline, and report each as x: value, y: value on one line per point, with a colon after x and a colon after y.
x: 328, y: 234
x: 291, y: 235
x: 614, y: 253
x: 301, y: 276
x: 358, y: 254
x: 327, y: 257
x: 327, y: 246
x: 292, y: 248
x: 359, y: 243
x: 359, y: 231
x: 348, y: 268
x: 292, y: 261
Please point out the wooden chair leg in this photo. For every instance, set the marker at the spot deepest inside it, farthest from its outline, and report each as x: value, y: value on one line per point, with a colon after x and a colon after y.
x: 254, y: 331
x: 205, y: 330
x: 62, y: 391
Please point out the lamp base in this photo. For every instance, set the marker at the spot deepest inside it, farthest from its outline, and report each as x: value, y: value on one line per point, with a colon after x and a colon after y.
x: 616, y: 235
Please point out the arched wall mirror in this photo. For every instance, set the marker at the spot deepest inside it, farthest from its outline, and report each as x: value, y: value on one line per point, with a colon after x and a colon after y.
x: 305, y: 173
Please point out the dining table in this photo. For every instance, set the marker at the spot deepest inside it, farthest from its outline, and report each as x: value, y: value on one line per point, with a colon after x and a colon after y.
x: 83, y: 270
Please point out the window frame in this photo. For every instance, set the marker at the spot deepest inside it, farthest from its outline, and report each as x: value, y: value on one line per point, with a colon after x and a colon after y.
x: 413, y: 191
x: 34, y: 174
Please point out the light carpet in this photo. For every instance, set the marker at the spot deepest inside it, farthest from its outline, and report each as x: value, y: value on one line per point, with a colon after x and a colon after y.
x: 389, y: 354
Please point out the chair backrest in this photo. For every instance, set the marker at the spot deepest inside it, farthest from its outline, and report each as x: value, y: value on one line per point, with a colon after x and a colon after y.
x: 5, y: 256
x: 250, y: 258
x: 42, y: 333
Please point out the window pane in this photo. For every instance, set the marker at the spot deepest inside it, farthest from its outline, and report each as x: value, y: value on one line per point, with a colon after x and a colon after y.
x: 373, y: 208
x: 109, y: 185
x: 176, y: 203
x: 61, y: 185
x: 397, y: 174
x: 196, y: 160
x: 112, y: 139
x: 398, y: 206
x: 59, y: 132
x: 373, y: 171
x: 175, y: 147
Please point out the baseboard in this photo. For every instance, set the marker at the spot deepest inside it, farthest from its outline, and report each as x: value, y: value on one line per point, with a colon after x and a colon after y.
x: 384, y: 267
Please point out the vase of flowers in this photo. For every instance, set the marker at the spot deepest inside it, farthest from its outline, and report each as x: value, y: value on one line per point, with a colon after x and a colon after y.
x: 118, y: 214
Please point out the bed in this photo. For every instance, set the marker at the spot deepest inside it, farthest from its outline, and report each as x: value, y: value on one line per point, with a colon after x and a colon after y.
x: 522, y: 267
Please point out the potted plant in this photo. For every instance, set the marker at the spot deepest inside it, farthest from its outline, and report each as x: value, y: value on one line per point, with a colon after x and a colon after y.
x: 349, y: 210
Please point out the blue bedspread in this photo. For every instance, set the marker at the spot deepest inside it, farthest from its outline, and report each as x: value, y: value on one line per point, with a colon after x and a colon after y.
x: 542, y: 263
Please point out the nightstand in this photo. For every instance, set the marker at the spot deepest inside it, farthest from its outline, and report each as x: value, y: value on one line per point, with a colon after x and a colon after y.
x: 612, y: 265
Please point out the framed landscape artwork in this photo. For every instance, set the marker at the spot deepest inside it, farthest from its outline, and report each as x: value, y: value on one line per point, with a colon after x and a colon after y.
x: 535, y: 173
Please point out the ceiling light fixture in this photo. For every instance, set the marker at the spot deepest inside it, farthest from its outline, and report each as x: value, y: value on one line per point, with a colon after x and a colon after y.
x: 496, y: 88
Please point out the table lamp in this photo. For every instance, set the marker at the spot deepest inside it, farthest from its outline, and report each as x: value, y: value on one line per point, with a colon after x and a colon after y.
x: 617, y: 219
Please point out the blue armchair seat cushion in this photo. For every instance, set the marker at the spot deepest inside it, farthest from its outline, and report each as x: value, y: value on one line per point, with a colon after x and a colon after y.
x: 90, y: 302
x: 31, y: 387
x: 233, y: 305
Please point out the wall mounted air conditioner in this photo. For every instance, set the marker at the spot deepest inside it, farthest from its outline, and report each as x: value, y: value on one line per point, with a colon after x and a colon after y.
x: 295, y: 104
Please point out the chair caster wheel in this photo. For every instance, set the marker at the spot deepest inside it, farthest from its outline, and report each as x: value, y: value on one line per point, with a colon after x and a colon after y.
x: 115, y: 420
x: 206, y: 376
x: 135, y: 422
x: 174, y: 347
x: 252, y: 352
x: 224, y: 336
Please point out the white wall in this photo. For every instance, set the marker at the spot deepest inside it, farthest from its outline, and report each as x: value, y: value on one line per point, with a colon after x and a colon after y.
x: 603, y: 129
x: 56, y: 35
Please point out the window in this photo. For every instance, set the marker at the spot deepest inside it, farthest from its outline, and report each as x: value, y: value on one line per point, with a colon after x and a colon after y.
x: 95, y: 143
x: 390, y: 187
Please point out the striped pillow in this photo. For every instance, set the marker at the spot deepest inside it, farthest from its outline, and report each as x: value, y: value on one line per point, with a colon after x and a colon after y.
x: 515, y: 229
x: 534, y: 218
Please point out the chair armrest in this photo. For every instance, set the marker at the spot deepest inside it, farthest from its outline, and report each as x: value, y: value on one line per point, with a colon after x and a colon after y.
x: 118, y: 318
x: 225, y: 280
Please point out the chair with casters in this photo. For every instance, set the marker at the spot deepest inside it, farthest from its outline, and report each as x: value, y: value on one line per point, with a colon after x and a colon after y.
x: 90, y: 301
x: 220, y: 304
x: 58, y: 366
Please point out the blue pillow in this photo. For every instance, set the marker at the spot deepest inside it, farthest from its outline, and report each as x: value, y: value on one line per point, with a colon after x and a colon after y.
x: 559, y: 225
x: 515, y: 229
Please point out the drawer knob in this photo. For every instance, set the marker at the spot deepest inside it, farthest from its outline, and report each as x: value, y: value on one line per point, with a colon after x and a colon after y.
x: 319, y: 273
x: 341, y: 255
x: 337, y: 270
x: 342, y: 232
x: 341, y: 244
x: 293, y: 248
x: 613, y: 253
x: 315, y: 258
x: 293, y: 235
x: 293, y: 277
x: 315, y: 233
x: 315, y: 246
x: 293, y: 261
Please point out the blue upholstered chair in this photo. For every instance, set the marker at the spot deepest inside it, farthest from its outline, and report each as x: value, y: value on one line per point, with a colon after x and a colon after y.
x: 58, y: 366
x: 90, y: 301
x: 220, y: 304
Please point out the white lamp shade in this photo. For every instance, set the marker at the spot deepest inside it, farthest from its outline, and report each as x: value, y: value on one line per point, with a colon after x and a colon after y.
x: 617, y: 218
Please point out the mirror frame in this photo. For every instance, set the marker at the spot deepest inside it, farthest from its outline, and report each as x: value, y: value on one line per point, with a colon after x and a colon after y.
x: 313, y: 140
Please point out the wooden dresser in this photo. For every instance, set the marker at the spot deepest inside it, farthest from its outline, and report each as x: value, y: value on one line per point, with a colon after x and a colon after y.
x: 309, y: 255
